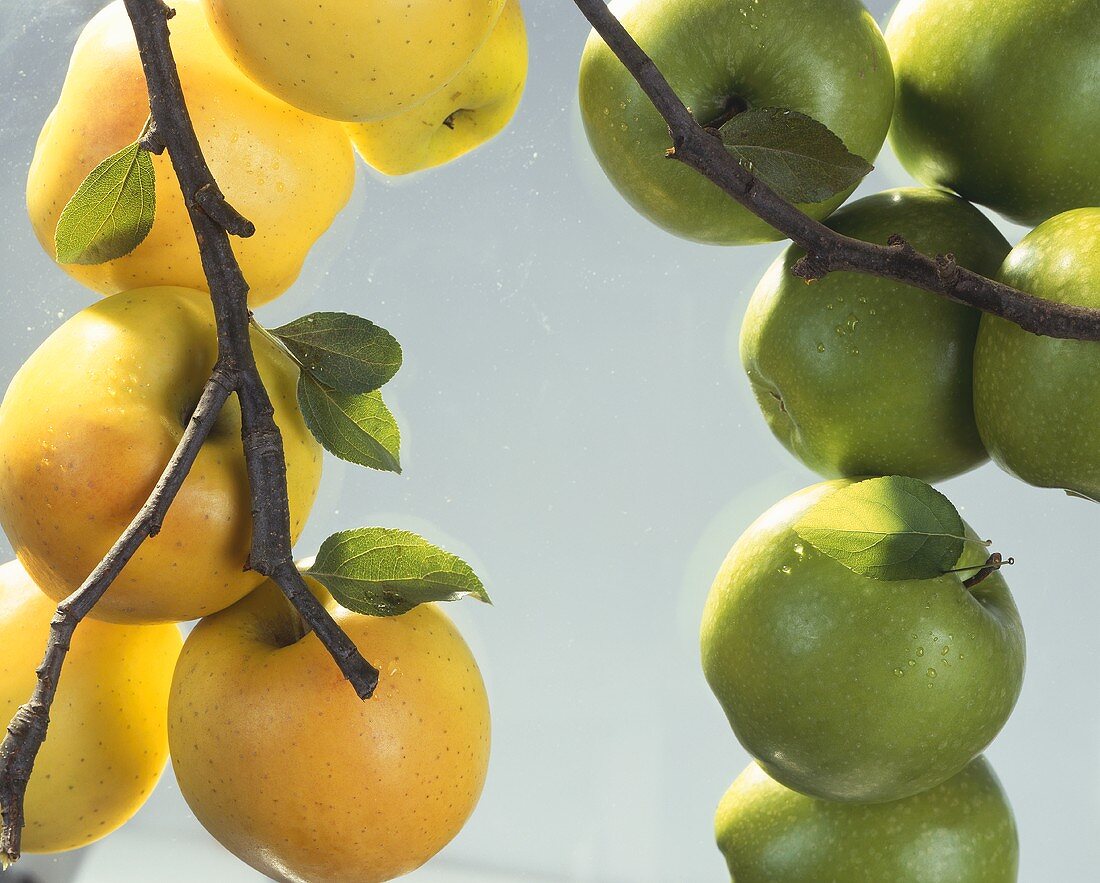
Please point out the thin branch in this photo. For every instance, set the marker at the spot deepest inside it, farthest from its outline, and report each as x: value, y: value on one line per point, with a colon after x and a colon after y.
x: 213, y: 219
x: 827, y: 251
x: 27, y: 730
x: 272, y: 554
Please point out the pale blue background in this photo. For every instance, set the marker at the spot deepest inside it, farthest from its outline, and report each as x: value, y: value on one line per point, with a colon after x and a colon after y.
x: 575, y: 424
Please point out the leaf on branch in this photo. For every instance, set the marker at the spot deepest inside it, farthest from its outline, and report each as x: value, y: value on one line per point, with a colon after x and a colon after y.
x: 356, y: 427
x: 344, y: 352
x: 111, y: 212
x: 382, y: 572
x: 799, y: 158
x: 891, y: 528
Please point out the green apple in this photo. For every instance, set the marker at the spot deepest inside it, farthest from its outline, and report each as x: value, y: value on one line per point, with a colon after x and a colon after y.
x: 959, y: 832
x: 826, y: 60
x: 996, y: 100
x: 854, y: 689
x: 857, y: 375
x: 1037, y: 399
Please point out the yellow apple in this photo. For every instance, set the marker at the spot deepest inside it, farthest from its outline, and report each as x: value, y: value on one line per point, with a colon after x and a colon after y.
x: 473, y: 108
x: 296, y: 776
x: 88, y: 425
x: 352, y: 59
x: 287, y: 172
x: 108, y: 736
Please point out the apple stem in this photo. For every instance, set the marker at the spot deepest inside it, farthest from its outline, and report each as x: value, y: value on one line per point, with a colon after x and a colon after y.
x: 827, y: 251
x: 732, y: 106
x: 214, y: 220
x: 994, y: 563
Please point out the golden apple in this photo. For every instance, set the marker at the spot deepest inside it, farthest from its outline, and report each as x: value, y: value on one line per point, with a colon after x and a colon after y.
x: 474, y: 107
x: 287, y: 172
x: 88, y: 425
x: 352, y: 59
x: 108, y: 736
x: 297, y: 776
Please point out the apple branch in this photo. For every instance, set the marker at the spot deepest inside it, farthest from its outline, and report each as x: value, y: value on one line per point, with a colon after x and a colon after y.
x: 214, y: 220
x: 27, y: 730
x: 235, y: 372
x: 827, y: 251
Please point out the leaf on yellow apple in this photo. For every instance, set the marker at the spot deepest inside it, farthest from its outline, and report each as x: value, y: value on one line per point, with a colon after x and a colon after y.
x: 344, y: 352
x: 380, y: 571
x: 357, y: 427
x: 111, y: 212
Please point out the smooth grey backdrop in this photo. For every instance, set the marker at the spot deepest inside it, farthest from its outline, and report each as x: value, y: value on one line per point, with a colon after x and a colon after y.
x: 575, y: 424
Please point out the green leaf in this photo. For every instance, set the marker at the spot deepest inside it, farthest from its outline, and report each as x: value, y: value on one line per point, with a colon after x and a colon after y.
x: 891, y: 528
x: 111, y: 212
x: 356, y: 427
x: 344, y: 352
x: 799, y: 158
x: 384, y: 572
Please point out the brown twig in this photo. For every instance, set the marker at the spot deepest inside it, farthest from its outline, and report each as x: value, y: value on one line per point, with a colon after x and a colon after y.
x: 826, y: 250
x: 214, y: 220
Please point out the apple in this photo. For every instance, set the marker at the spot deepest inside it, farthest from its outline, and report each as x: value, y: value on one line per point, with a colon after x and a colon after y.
x: 296, y: 776
x: 88, y: 425
x: 474, y: 107
x: 849, y: 688
x: 961, y: 831
x: 827, y: 60
x: 996, y: 101
x: 108, y: 737
x: 287, y: 172
x: 353, y: 60
x: 1037, y: 399
x: 858, y: 375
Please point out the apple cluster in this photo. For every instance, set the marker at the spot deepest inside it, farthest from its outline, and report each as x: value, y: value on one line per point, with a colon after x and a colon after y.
x: 866, y: 704
x: 272, y: 750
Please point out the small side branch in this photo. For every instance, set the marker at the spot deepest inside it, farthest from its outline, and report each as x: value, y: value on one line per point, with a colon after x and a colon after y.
x: 826, y: 250
x: 27, y: 731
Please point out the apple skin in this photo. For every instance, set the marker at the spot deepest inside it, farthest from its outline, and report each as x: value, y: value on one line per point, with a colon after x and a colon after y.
x: 88, y: 425
x: 857, y: 375
x: 108, y: 738
x: 287, y: 172
x: 1037, y: 399
x: 961, y: 831
x: 352, y: 60
x: 292, y: 773
x: 994, y: 101
x: 853, y: 689
x: 478, y: 104
x: 827, y: 60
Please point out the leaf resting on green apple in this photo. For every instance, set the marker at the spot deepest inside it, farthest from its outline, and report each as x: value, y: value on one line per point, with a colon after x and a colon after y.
x: 344, y: 352
x: 799, y: 158
x: 356, y: 427
x: 891, y: 528
x: 380, y: 571
x: 111, y: 212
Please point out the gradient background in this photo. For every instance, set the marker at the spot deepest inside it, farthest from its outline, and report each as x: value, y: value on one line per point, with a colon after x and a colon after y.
x: 577, y: 426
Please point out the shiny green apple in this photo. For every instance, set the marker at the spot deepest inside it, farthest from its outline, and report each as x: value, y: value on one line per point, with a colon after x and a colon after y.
x: 961, y: 831
x: 849, y: 688
x: 1037, y: 399
x: 997, y: 101
x: 827, y: 60
x: 858, y: 375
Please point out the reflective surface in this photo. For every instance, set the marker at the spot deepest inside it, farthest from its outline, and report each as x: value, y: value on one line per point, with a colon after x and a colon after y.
x: 577, y: 425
